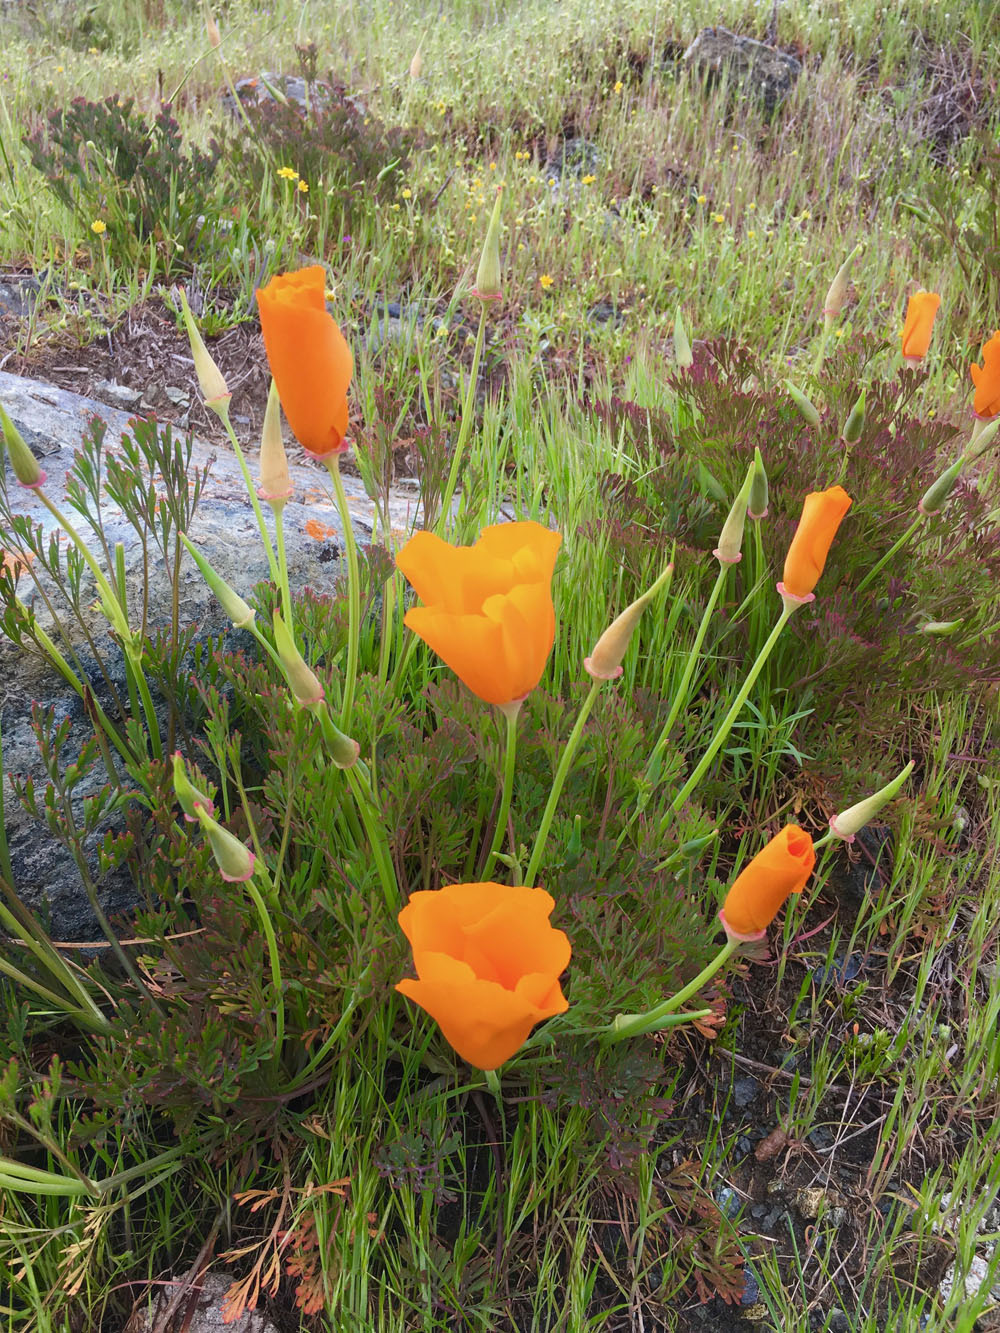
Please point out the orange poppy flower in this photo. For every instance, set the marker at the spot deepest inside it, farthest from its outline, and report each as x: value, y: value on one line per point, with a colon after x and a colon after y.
x: 488, y: 607
x: 488, y: 964
x: 986, y: 378
x: 309, y: 358
x: 822, y: 514
x: 783, y: 867
x: 919, y: 322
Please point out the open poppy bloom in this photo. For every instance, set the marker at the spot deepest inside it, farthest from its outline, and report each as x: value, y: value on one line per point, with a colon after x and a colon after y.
x: 919, y: 322
x: 309, y: 358
x: 487, y: 963
x: 986, y: 378
x: 783, y: 867
x: 488, y: 607
x: 822, y: 514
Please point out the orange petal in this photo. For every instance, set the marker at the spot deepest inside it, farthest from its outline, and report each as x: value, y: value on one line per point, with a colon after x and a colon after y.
x: 822, y: 514
x: 471, y: 645
x: 518, y: 541
x: 779, y: 869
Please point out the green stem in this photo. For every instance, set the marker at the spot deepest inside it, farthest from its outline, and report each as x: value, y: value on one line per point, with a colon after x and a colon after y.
x: 681, y: 694
x: 134, y: 658
x: 727, y: 722
x: 279, y: 536
x: 353, y: 593
x: 897, y: 546
x: 377, y: 840
x: 634, y: 1025
x: 265, y: 536
x: 510, y: 711
x: 272, y: 949
x: 823, y: 340
x: 111, y: 605
x: 464, y: 428
x: 568, y: 755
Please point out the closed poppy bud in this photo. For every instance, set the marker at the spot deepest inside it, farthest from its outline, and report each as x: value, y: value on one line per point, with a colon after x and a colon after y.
x: 234, y: 859
x: 22, y: 460
x: 837, y: 292
x: 228, y: 598
x: 855, y: 422
x: 730, y: 548
x: 782, y: 868
x: 986, y: 378
x: 932, y: 500
x: 212, y: 31
x: 488, y: 964
x: 757, y: 503
x: 804, y: 405
x: 309, y: 359
x: 682, y: 343
x: 822, y: 515
x: 189, y: 797
x: 302, y: 680
x: 605, y: 662
x: 848, y: 822
x: 275, y: 479
x: 487, y: 609
x: 416, y: 64
x: 917, y: 326
x: 214, y: 388
x: 984, y: 434
x: 487, y: 286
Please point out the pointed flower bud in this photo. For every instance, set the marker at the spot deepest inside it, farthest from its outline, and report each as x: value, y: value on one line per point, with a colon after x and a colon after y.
x: 189, y: 797
x: 22, y: 460
x: 416, y: 64
x: 234, y: 859
x: 855, y: 422
x: 214, y: 388
x: 757, y: 504
x: 984, y: 434
x: 682, y: 343
x: 729, y: 549
x: 932, y: 501
x: 605, y: 662
x: 212, y: 30
x: 275, y: 479
x: 848, y: 823
x: 302, y: 681
x: 837, y: 293
x: 228, y: 598
x: 487, y: 286
x: 809, y: 412
x: 342, y: 750
x: 939, y: 628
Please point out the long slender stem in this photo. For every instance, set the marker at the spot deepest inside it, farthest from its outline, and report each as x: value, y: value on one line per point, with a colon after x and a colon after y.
x: 727, y: 722
x: 681, y: 694
x: 468, y: 411
x: 272, y: 949
x: 279, y: 536
x: 265, y: 536
x: 134, y: 658
x: 112, y: 606
x: 375, y: 829
x: 634, y: 1025
x: 353, y: 593
x: 511, y: 712
x: 568, y: 755
x: 896, y: 546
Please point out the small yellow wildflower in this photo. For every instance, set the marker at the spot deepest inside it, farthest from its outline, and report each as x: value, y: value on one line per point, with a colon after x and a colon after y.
x: 288, y: 173
x: 303, y: 188
x: 98, y: 227
x: 703, y: 199
x: 93, y: 50
x: 407, y: 194
x: 619, y: 86
x: 60, y: 69
x: 546, y: 281
x: 718, y: 217
x: 751, y: 233
x: 493, y: 166
x: 751, y: 207
x: 589, y: 180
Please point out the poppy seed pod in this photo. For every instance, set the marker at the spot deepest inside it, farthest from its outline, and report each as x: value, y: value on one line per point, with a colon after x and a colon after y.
x: 488, y: 965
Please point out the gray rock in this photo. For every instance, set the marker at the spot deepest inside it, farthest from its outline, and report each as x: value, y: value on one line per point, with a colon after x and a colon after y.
x: 757, y: 69
x: 745, y: 1090
x: 207, y: 1315
x: 728, y: 1200
x: 118, y: 395
x: 53, y: 421
x: 18, y: 295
